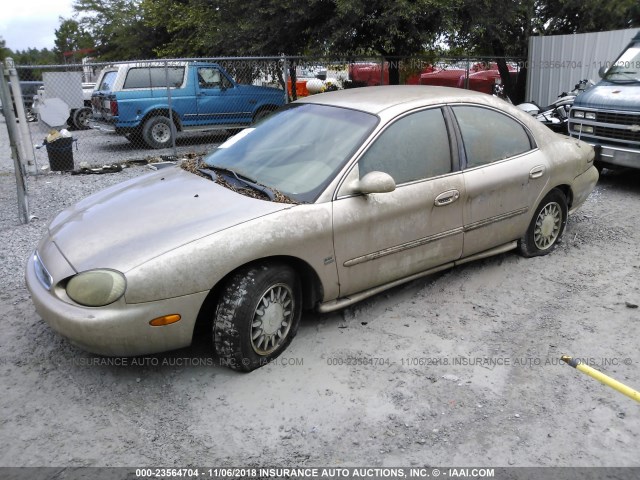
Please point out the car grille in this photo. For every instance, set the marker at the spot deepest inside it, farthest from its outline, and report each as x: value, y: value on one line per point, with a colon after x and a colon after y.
x: 616, y: 133
x: 618, y: 118
x: 620, y: 128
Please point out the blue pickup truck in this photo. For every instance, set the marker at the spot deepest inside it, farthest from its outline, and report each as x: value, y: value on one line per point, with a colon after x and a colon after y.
x: 150, y: 102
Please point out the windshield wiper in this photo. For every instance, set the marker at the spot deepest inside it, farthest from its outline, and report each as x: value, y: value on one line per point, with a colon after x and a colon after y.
x: 248, y: 181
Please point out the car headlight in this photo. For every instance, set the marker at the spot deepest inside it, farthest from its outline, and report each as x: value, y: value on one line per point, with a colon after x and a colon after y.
x: 96, y: 288
x: 590, y: 115
x: 578, y: 114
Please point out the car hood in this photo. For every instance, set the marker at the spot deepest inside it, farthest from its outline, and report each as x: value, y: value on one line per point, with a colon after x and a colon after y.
x: 609, y: 95
x: 130, y: 223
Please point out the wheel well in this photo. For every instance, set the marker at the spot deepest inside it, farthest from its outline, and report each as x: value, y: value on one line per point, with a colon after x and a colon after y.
x: 568, y: 194
x: 164, y: 113
x: 312, y: 291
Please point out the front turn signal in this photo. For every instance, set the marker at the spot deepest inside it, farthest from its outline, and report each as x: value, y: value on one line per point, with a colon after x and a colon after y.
x: 165, y: 320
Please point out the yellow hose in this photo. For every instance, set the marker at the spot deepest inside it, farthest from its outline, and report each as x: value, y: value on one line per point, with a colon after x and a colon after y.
x: 608, y: 381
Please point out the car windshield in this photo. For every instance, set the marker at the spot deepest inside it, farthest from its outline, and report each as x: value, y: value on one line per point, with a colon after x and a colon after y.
x: 296, y: 151
x: 627, y: 68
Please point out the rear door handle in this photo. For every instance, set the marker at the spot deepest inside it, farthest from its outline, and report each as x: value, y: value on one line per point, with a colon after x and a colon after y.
x: 537, y: 171
x: 445, y: 198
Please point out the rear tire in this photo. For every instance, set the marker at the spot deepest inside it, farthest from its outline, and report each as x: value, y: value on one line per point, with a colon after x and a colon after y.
x: 257, y: 315
x: 157, y: 132
x: 546, y: 227
x: 81, y: 118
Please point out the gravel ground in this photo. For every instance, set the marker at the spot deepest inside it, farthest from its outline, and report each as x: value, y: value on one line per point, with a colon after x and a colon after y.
x: 95, y: 148
x: 374, y: 385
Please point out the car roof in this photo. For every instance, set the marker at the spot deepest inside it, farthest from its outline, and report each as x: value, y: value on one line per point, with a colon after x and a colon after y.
x: 389, y: 101
x: 377, y: 99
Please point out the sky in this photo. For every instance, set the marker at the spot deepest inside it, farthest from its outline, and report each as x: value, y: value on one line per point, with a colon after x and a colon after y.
x: 32, y: 23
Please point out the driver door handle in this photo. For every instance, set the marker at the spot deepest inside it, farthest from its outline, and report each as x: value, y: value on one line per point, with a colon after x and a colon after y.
x: 445, y: 198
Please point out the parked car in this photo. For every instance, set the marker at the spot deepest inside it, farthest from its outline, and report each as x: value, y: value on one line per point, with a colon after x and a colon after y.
x: 607, y: 115
x: 133, y: 100
x: 377, y: 187
x: 446, y: 77
x: 481, y: 77
x: 368, y: 74
x: 79, y: 114
x: 80, y: 118
x: 29, y: 90
x: 485, y: 80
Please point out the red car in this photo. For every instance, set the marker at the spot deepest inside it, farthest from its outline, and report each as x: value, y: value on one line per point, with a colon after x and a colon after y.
x: 481, y: 77
x: 368, y: 74
x: 484, y: 81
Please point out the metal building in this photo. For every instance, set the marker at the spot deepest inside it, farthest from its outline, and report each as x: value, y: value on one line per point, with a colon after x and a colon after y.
x: 556, y: 63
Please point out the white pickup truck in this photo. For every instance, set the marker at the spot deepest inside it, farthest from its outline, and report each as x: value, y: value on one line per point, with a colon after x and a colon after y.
x: 64, y: 99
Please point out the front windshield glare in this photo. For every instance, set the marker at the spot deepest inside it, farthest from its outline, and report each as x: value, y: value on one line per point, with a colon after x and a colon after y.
x: 298, y: 150
x: 627, y: 67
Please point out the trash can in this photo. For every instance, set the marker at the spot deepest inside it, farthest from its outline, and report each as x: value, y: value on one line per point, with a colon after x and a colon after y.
x: 60, y: 153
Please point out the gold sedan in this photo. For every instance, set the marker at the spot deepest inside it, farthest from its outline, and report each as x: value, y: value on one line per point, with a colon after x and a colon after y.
x: 331, y: 200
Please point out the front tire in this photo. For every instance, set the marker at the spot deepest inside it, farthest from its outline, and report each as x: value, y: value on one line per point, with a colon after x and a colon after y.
x: 257, y: 315
x: 157, y: 132
x: 546, y: 227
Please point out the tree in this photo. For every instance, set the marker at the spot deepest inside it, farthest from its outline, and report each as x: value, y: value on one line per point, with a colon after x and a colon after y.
x: 32, y: 56
x: 274, y: 27
x: 129, y: 29
x: 4, y: 51
x: 579, y: 16
x: 478, y: 29
x: 391, y: 29
x: 118, y: 29
x: 190, y: 26
x: 232, y: 28
x: 71, y: 37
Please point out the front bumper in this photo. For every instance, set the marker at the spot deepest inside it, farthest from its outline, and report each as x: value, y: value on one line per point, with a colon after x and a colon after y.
x: 618, y: 156
x: 119, y: 329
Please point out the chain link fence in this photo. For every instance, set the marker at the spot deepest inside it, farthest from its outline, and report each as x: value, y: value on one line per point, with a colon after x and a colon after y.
x: 90, y: 116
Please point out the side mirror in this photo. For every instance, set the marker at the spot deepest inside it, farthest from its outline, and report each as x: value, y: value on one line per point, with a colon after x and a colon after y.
x: 603, y: 71
x: 374, y: 182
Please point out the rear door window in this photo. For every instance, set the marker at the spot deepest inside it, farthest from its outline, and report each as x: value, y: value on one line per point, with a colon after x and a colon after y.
x: 489, y: 136
x: 149, y: 77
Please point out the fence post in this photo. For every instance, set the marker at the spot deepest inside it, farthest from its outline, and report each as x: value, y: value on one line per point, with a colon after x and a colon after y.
x: 174, y: 130
x: 285, y: 71
x: 27, y: 156
x: 14, y: 134
x: 381, y: 70
x: 466, y: 74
